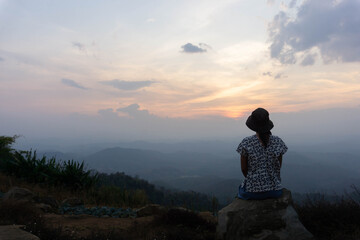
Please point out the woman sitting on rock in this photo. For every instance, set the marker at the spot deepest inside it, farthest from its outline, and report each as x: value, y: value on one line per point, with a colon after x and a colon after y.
x: 261, y: 159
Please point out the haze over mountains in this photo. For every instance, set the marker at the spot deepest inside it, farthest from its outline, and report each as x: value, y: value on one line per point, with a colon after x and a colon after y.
x: 220, y: 176
x: 324, y: 152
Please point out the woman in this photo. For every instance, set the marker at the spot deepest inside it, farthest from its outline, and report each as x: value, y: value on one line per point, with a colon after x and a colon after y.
x: 261, y: 159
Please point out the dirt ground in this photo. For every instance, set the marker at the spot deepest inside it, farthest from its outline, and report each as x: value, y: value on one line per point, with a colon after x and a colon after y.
x: 85, y: 225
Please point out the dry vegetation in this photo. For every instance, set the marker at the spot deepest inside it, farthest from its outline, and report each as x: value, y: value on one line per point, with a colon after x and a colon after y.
x: 332, y: 220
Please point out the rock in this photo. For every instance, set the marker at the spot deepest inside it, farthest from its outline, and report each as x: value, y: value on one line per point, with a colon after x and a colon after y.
x: 19, y: 194
x: 150, y: 210
x: 72, y: 202
x: 273, y: 219
x: 208, y: 217
x: 14, y: 232
x: 44, y: 207
x: 48, y: 200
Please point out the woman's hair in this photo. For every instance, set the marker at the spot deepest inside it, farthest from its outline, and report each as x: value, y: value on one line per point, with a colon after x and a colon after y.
x: 265, y: 137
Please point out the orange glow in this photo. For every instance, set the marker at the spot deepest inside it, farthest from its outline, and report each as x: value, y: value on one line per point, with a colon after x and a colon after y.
x: 234, y: 114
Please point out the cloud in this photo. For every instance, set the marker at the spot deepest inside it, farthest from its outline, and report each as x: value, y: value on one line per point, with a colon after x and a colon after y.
x: 133, y: 110
x: 72, y: 83
x: 309, y: 60
x: 279, y: 75
x: 150, y: 20
x: 190, y: 48
x: 79, y: 46
x: 128, y: 85
x: 108, y: 113
x: 205, y: 46
x: 292, y: 4
x: 1, y: 59
x: 331, y: 27
x: 267, y: 74
x: 270, y: 2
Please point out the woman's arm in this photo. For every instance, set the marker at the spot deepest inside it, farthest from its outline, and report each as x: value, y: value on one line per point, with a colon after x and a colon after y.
x: 244, y: 165
x: 280, y: 160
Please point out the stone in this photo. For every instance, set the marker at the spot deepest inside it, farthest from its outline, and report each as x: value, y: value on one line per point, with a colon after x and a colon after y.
x: 270, y: 219
x: 150, y: 210
x: 14, y: 232
x: 208, y: 217
x: 19, y: 194
x: 44, y: 207
x: 48, y: 200
x: 72, y: 202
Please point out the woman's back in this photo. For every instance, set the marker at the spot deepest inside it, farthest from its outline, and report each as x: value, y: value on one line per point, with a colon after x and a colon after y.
x: 261, y: 158
x: 263, y: 166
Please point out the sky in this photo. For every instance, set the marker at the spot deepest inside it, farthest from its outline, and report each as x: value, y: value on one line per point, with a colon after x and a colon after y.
x: 131, y: 69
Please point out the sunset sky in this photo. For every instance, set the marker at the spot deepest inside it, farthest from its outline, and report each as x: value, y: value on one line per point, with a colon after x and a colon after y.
x: 170, y: 59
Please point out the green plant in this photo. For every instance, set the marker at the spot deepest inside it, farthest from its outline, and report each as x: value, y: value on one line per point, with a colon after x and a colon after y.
x: 26, y: 164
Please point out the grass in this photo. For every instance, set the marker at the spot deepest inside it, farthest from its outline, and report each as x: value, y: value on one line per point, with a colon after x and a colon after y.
x: 332, y: 220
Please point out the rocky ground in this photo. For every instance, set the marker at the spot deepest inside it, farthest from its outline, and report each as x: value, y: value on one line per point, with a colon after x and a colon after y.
x: 71, y: 219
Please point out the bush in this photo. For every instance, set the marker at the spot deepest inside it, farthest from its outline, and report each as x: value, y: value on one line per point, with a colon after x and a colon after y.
x: 335, y: 220
x: 26, y: 165
x: 119, y: 197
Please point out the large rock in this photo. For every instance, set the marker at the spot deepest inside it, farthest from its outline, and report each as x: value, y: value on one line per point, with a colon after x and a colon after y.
x: 14, y: 232
x: 48, y: 200
x: 150, y: 210
x: 270, y: 219
x: 18, y: 194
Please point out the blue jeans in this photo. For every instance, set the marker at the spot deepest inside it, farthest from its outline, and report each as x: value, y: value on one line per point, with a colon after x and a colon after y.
x: 258, y: 195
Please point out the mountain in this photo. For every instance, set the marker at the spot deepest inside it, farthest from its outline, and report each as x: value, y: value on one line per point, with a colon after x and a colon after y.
x: 221, y: 177
x: 154, y: 165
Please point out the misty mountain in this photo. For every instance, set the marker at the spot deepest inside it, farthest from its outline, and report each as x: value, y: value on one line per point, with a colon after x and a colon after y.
x: 218, y: 176
x: 154, y: 165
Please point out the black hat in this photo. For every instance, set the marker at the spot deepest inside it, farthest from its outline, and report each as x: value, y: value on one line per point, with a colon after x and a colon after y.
x: 259, y: 121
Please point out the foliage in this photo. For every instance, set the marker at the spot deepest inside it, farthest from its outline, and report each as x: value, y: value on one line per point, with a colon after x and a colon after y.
x: 189, y: 199
x: 332, y: 220
x: 119, y: 197
x: 26, y: 165
x: 6, y: 152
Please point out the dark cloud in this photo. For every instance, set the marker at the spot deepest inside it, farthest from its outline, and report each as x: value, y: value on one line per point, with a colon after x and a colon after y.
x: 79, y: 46
x: 279, y: 75
x: 190, y: 48
x: 133, y: 110
x: 72, y: 83
x: 127, y: 85
x: 330, y: 26
x: 1, y: 59
x: 308, y: 60
x: 267, y: 74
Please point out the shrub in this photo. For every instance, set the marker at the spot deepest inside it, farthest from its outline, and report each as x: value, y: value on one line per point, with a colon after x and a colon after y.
x: 26, y: 164
x: 119, y: 197
x: 335, y: 220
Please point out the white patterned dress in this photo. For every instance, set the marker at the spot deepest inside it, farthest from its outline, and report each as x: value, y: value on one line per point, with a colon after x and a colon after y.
x: 263, y: 164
